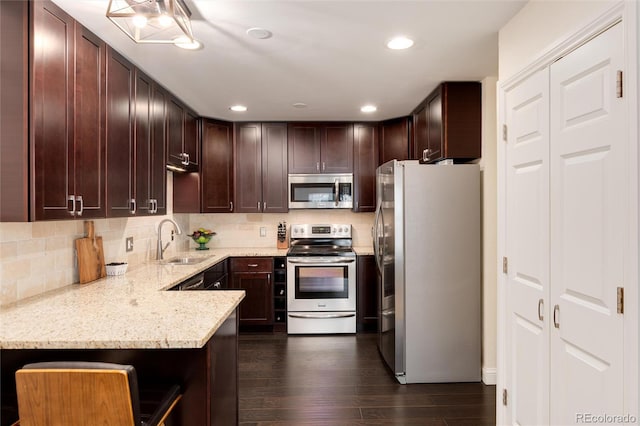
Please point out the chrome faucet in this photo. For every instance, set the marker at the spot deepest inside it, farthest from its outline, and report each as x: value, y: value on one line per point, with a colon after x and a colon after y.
x: 160, y: 249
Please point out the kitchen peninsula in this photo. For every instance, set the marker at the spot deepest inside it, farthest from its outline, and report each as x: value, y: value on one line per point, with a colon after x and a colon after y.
x: 183, y: 337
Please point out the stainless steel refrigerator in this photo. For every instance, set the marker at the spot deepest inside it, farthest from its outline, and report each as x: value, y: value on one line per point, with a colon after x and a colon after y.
x: 428, y: 250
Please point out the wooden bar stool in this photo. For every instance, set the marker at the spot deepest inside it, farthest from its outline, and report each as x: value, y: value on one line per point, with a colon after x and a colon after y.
x: 86, y: 393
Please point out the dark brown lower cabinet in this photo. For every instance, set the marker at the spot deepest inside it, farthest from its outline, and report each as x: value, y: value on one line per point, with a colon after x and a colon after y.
x: 367, y: 296
x: 254, y: 275
x: 208, y: 376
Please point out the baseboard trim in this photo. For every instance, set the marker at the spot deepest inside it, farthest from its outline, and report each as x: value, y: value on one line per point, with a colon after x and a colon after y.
x: 489, y: 375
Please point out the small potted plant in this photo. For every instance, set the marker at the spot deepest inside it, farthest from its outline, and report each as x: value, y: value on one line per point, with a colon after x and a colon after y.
x: 202, y: 236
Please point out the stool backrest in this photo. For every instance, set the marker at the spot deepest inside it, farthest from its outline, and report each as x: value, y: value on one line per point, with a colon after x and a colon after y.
x: 77, y: 394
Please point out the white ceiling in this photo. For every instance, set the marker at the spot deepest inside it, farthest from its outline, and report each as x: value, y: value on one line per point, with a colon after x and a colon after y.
x: 330, y: 55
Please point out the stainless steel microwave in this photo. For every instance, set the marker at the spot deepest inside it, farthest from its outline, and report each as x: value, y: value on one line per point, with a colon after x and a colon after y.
x: 321, y: 191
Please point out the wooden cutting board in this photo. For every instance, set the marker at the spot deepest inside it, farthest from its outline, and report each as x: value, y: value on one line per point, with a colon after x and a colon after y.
x: 90, y: 255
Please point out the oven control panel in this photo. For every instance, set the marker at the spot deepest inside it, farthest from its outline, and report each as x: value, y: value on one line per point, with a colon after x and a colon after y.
x: 321, y: 231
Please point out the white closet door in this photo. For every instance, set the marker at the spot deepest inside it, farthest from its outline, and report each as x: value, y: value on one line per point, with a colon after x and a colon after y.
x: 527, y: 249
x: 588, y: 228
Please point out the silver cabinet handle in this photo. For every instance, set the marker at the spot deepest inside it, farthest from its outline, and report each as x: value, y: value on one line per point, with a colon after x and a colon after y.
x: 150, y: 204
x: 230, y: 206
x: 540, y: 310
x: 185, y: 158
x: 133, y: 205
x: 321, y: 316
x: 155, y: 205
x: 264, y: 206
x: 79, y: 198
x: 194, y: 285
x: 217, y: 284
x: 315, y: 261
x: 252, y: 265
x: 72, y: 198
x: 425, y: 154
x: 318, y: 166
x: 324, y: 166
x: 258, y: 205
x: 556, y: 315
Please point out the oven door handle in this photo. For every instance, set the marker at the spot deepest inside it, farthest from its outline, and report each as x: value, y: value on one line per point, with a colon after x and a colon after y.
x: 322, y: 316
x: 310, y: 261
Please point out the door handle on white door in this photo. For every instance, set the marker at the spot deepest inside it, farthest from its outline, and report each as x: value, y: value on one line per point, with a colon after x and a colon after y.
x: 556, y: 316
x: 541, y: 310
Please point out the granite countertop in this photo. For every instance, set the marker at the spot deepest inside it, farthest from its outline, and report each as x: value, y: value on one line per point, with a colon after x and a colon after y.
x: 130, y: 311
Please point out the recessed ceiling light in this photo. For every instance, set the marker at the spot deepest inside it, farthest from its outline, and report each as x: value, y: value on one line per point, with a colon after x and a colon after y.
x: 399, y: 43
x: 299, y: 105
x: 369, y: 108
x: 238, y: 108
x: 259, y: 33
x: 184, y: 42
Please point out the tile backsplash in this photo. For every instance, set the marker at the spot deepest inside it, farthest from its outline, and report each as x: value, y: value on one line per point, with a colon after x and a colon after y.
x: 36, y: 257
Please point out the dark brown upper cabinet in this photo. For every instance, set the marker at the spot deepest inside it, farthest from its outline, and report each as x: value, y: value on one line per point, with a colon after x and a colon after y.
x: 121, y: 201
x: 158, y: 173
x: 182, y: 136
x: 67, y: 117
x: 261, y: 167
x: 365, y: 163
x: 149, y: 142
x: 447, y: 124
x: 320, y: 147
x: 14, y: 127
x: 394, y: 139
x: 217, y: 167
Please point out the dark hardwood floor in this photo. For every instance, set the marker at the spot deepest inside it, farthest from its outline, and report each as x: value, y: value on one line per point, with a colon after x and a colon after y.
x: 341, y: 380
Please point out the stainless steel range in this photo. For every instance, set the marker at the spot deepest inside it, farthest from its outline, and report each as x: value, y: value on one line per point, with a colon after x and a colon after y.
x: 321, y: 280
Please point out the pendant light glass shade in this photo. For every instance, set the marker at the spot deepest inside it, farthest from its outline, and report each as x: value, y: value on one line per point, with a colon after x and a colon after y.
x: 151, y: 21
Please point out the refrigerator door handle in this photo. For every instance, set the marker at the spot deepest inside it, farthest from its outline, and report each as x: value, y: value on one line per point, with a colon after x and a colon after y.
x: 376, y: 238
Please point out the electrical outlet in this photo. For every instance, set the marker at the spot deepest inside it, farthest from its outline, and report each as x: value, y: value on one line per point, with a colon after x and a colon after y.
x: 129, y: 245
x: 263, y: 231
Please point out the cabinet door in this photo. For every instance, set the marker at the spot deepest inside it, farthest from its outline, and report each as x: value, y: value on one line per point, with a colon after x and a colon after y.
x: 120, y: 144
x: 304, y: 148
x: 336, y: 148
x: 158, y: 149
x: 257, y: 306
x: 217, y: 167
x: 394, y: 139
x: 367, y: 295
x: 14, y: 80
x: 52, y: 111
x: 175, y: 133
x: 190, y: 143
x: 365, y: 162
x: 89, y: 116
x: 434, y: 128
x: 143, y: 144
x: 420, y: 133
x: 248, y: 167
x: 274, y: 168
x: 461, y: 119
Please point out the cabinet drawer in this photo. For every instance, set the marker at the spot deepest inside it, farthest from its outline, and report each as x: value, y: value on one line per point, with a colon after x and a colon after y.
x: 252, y: 264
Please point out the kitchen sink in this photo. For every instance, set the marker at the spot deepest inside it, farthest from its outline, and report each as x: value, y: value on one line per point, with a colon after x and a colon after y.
x: 183, y: 260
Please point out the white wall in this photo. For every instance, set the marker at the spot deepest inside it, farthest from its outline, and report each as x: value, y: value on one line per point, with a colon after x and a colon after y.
x: 489, y: 229
x: 539, y: 26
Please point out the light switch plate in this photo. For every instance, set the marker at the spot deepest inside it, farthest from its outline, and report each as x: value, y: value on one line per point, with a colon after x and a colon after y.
x: 263, y: 231
x: 129, y: 245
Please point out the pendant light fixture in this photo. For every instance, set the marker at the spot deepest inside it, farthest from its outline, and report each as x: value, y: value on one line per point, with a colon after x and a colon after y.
x: 152, y: 21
